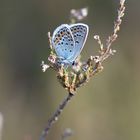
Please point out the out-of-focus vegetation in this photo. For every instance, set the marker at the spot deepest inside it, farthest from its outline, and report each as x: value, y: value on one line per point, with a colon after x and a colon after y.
x: 107, y: 108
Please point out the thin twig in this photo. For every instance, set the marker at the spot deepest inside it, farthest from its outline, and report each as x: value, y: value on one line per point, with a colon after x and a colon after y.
x: 114, y: 35
x: 55, y: 116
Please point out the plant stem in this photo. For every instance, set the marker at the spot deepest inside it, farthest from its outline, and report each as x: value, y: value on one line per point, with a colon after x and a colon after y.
x: 55, y: 116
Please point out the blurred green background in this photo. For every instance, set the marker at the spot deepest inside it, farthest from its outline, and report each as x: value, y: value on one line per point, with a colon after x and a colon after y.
x: 107, y: 108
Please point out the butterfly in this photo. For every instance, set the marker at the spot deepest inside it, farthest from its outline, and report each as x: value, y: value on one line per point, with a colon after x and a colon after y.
x: 68, y: 41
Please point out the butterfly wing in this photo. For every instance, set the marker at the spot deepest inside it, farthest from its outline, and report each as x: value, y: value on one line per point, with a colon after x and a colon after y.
x: 80, y: 33
x: 63, y: 42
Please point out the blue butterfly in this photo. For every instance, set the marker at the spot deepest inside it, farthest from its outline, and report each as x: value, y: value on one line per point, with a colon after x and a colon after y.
x: 68, y: 41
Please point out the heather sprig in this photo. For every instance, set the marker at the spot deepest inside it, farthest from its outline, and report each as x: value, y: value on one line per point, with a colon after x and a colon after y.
x: 81, y: 72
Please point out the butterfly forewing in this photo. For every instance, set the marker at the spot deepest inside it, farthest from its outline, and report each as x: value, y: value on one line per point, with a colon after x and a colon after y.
x: 63, y: 41
x: 80, y: 32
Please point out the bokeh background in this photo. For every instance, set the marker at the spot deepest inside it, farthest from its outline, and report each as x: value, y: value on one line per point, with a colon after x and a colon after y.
x: 107, y: 108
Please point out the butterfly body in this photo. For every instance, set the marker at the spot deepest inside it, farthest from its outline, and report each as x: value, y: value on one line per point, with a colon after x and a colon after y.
x: 68, y: 41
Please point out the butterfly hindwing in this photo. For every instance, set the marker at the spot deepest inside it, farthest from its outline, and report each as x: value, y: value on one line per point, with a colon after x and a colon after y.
x: 80, y: 32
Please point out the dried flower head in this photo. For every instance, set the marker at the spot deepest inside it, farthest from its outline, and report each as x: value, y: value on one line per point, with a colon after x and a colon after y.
x: 78, y: 14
